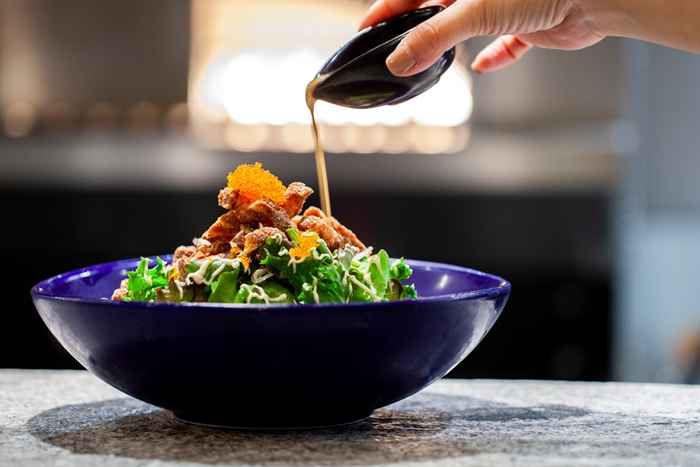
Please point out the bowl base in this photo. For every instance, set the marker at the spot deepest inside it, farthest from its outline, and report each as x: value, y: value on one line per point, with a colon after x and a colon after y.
x: 270, y: 425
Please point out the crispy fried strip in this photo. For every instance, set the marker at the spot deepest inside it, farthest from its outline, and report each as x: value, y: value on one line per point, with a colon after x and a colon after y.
x: 295, y: 197
x: 223, y: 230
x: 257, y: 237
x: 347, y: 234
x: 122, y: 291
x: 266, y: 213
x: 314, y: 211
x: 182, y: 257
x: 229, y: 198
x: 324, y: 230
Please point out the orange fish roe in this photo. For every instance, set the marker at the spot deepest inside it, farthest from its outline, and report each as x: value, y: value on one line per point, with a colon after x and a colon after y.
x: 245, y: 261
x: 234, y: 251
x: 253, y: 183
x: 307, y: 242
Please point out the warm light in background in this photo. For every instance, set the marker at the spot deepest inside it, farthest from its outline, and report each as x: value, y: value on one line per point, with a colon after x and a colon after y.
x: 19, y: 118
x: 251, y: 64
x: 266, y: 86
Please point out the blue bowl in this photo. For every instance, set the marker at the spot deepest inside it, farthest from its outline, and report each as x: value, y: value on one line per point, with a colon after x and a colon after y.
x: 271, y: 366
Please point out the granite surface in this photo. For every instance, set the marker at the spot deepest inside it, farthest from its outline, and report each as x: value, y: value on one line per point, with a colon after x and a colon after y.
x: 62, y: 418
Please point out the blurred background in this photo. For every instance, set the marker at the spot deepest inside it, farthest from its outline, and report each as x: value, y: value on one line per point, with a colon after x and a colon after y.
x: 574, y: 175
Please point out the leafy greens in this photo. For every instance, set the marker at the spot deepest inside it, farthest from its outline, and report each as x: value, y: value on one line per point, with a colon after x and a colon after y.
x: 276, y: 275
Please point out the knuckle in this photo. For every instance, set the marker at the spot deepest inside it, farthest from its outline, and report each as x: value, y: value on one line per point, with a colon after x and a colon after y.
x: 486, y: 22
x: 428, y: 36
x: 487, y: 16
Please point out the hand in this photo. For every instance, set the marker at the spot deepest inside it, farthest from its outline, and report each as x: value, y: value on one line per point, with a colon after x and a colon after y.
x: 523, y: 24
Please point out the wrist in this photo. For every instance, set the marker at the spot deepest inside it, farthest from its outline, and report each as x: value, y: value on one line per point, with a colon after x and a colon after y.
x: 672, y: 23
x: 611, y: 17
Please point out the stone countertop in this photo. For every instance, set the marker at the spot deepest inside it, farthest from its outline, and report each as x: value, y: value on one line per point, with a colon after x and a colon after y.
x: 71, y: 418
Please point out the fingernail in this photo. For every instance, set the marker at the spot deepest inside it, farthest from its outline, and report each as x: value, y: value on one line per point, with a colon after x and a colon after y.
x: 400, y: 61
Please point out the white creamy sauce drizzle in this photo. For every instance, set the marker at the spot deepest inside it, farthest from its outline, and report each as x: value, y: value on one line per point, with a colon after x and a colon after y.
x: 370, y: 291
x: 260, y: 275
x: 278, y: 236
x: 198, y: 276
x: 375, y: 260
x: 200, y: 241
x: 293, y: 263
x: 179, y: 289
x: 366, y: 252
x: 348, y: 285
x: 218, y: 271
x: 257, y: 292
x: 278, y: 299
x: 320, y: 256
x: 314, y: 291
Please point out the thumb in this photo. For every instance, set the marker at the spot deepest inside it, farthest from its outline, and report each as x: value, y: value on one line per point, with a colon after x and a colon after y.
x: 427, y: 41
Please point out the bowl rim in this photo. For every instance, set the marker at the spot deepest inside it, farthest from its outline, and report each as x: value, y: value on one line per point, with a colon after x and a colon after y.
x: 38, y: 292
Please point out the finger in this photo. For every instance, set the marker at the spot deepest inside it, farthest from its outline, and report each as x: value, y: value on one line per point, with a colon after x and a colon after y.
x: 427, y: 41
x: 500, y: 53
x: 384, y: 9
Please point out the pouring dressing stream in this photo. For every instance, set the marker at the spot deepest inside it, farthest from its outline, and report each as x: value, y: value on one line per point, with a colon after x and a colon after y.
x: 319, y: 155
x: 356, y: 76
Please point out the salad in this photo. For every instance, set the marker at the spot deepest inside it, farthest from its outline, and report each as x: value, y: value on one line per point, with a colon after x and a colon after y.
x: 265, y: 250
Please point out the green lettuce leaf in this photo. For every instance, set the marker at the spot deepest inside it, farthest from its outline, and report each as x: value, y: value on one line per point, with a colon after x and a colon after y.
x: 379, y: 272
x: 400, y: 270
x: 408, y: 292
x: 224, y: 289
x: 276, y: 293
x: 143, y: 283
x: 326, y: 284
